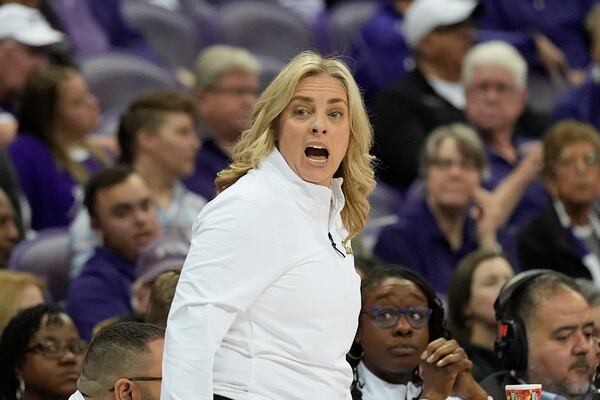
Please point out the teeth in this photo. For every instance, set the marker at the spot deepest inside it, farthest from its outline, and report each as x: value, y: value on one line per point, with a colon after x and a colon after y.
x: 317, y: 161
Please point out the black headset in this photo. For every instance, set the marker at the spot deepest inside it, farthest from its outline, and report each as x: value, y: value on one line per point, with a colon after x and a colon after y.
x: 511, y: 339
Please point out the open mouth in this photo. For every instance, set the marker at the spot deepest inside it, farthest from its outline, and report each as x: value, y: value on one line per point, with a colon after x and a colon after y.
x: 317, y: 154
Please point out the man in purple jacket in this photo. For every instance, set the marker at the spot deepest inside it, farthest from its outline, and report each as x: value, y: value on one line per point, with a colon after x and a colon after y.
x: 227, y: 87
x: 123, y: 213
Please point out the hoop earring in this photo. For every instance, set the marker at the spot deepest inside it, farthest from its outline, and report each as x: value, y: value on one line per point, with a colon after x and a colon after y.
x: 20, y: 390
x: 356, y: 358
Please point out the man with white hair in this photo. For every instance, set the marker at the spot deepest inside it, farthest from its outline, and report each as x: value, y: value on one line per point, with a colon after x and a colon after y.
x: 227, y: 88
x: 494, y: 76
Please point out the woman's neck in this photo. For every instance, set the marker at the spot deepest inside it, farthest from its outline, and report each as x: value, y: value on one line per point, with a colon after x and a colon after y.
x: 394, y: 378
x: 483, y: 335
x: 578, y: 213
x: 451, y: 221
x: 69, y: 141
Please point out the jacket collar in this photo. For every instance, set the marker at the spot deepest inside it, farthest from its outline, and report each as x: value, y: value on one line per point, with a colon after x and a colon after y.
x: 324, y: 203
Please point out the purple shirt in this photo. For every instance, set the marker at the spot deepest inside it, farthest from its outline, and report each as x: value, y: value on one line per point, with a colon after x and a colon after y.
x: 582, y: 103
x: 53, y: 195
x: 535, y: 197
x: 209, y: 161
x: 416, y: 242
x: 561, y: 21
x: 101, y: 291
x: 380, y: 53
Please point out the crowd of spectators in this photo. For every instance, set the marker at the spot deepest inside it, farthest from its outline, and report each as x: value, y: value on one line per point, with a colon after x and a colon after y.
x: 486, y: 119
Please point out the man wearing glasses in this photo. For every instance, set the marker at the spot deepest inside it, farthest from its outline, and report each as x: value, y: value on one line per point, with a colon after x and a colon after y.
x: 124, y: 361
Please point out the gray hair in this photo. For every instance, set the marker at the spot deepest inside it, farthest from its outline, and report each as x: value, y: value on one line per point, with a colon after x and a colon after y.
x: 495, y: 53
x: 215, y: 61
x: 468, y: 142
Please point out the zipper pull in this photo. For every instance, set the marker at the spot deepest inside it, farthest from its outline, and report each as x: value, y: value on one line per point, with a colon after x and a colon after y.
x: 334, y: 246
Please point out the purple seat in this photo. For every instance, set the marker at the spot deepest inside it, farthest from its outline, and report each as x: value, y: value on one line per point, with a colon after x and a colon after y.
x: 117, y: 78
x: 267, y: 29
x: 47, y: 256
x: 173, y: 35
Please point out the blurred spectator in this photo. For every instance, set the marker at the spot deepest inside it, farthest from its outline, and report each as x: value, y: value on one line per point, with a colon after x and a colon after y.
x: 9, y: 183
x: 123, y: 362
x: 24, y: 36
x: 227, y: 88
x: 549, y: 33
x: 440, y: 32
x: 380, y: 53
x: 123, y: 213
x: 9, y: 233
x: 437, y: 229
x: 18, y: 291
x: 162, y: 255
x: 583, y: 103
x: 161, y: 297
x: 566, y: 235
x: 41, y: 355
x: 157, y: 138
x: 406, y: 351
x: 473, y: 290
x: 53, y: 154
x: 495, y: 77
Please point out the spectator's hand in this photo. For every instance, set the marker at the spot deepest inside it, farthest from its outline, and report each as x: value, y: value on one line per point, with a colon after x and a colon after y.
x: 551, y: 57
x: 465, y: 387
x: 485, y: 212
x: 532, y: 161
x: 441, y: 362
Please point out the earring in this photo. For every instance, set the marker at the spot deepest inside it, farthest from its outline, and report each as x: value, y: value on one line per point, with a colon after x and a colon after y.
x: 356, y: 358
x: 20, y: 390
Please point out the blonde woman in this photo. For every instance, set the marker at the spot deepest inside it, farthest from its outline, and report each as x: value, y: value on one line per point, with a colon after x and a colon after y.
x: 268, y: 300
x: 18, y: 290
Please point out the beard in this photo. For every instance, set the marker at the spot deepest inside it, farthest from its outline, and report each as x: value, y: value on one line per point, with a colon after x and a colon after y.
x: 562, y: 386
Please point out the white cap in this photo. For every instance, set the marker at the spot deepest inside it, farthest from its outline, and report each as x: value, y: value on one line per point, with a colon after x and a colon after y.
x: 424, y: 16
x: 27, y: 26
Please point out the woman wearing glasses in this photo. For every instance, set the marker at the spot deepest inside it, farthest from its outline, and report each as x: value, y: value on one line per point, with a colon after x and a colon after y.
x: 41, y: 355
x: 402, y: 344
x: 566, y: 234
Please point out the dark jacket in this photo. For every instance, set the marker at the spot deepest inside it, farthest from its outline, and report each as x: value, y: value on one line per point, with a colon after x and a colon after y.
x: 544, y: 243
x: 494, y: 384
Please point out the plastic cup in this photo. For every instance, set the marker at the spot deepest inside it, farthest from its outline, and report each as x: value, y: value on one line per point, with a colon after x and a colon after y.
x: 523, y: 392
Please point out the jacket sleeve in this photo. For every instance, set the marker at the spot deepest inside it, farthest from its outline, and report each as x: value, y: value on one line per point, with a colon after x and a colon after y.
x: 234, y: 256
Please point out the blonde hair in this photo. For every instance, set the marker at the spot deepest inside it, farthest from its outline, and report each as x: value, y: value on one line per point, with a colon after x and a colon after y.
x: 257, y: 142
x: 12, y: 285
x: 220, y: 59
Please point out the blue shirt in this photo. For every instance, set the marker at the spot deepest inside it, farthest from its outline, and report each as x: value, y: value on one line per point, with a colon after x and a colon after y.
x: 582, y: 103
x: 417, y: 242
x: 209, y: 162
x: 101, y: 291
x: 561, y: 21
x: 380, y: 53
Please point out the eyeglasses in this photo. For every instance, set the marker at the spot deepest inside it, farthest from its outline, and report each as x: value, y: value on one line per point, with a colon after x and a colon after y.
x: 387, y: 317
x: 501, y: 89
x: 590, y: 160
x: 56, y: 349
x: 237, y: 91
x: 445, y: 164
x: 140, y: 379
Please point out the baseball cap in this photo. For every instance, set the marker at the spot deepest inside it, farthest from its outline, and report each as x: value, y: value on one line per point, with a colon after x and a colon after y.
x: 424, y: 16
x: 163, y: 254
x: 26, y: 25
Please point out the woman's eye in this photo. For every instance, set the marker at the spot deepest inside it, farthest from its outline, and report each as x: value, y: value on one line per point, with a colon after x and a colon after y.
x: 301, y: 112
x: 336, y: 114
x: 416, y: 316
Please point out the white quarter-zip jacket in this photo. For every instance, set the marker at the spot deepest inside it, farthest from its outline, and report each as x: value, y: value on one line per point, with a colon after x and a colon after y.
x: 266, y: 308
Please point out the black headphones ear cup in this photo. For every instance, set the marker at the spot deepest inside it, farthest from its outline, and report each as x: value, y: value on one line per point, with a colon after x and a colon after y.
x: 511, y: 338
